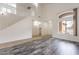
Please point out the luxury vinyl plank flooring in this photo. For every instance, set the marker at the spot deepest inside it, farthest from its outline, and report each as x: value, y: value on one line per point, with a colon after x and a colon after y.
x: 45, y: 46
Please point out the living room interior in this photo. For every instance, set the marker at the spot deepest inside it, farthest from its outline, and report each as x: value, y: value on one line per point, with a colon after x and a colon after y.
x: 39, y: 28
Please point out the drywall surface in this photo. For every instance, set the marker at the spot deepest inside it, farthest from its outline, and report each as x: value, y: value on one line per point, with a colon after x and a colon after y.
x: 20, y: 30
x: 67, y: 36
x: 51, y: 13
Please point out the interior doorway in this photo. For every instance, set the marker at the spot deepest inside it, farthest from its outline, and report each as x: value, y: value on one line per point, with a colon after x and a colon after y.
x: 41, y: 28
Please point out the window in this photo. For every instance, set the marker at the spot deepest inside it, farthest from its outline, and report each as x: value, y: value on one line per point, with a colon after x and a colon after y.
x: 68, y: 23
x: 6, y: 8
x: 12, y: 5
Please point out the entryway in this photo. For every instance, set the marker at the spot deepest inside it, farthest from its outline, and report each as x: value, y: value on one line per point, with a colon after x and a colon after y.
x: 41, y: 28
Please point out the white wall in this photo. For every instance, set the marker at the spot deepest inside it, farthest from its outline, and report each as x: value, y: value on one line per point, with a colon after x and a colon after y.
x: 8, y: 20
x: 51, y: 13
x: 47, y: 28
x: 20, y: 30
x: 69, y: 37
x: 22, y: 9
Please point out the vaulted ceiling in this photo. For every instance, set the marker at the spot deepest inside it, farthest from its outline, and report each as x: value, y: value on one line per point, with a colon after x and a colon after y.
x: 22, y: 10
x: 50, y: 10
x: 45, y: 11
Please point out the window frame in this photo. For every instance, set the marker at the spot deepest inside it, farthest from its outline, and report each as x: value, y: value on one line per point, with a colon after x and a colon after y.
x: 74, y: 13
